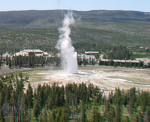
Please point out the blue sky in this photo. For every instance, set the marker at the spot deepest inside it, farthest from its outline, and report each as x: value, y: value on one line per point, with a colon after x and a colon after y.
x: 138, y: 5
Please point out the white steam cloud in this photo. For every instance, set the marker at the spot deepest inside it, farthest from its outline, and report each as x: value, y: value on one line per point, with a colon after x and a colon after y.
x: 64, y: 45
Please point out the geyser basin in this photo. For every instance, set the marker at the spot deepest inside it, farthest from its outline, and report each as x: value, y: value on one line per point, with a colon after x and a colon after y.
x: 107, y: 78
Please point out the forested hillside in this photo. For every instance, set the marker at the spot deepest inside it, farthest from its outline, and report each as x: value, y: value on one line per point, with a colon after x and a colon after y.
x: 94, y: 30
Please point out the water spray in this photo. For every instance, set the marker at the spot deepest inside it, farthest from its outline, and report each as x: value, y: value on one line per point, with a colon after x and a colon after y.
x: 64, y: 45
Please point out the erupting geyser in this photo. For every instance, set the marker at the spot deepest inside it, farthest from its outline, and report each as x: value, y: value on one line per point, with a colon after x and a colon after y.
x: 64, y: 45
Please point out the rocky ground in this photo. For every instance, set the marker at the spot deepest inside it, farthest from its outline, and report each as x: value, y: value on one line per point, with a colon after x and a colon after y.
x: 106, y: 78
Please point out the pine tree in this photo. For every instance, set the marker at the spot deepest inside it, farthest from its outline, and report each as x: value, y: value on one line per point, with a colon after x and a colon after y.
x: 29, y: 97
x: 95, y: 115
x: 36, y: 108
x: 109, y: 112
x: 118, y: 112
x: 126, y: 119
x: 144, y: 100
x: 147, y: 115
x: 50, y: 117
x: 132, y: 100
x: 1, y: 103
x: 82, y: 112
x: 43, y: 116
x: 64, y: 116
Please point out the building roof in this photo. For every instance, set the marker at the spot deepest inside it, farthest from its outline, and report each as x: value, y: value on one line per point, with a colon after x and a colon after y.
x: 32, y: 50
x: 91, y: 52
x: 6, y: 55
x: 26, y: 52
x: 123, y: 61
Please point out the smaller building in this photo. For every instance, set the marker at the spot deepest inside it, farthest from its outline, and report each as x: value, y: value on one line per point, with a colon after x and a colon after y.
x: 86, y: 57
x: 91, y: 52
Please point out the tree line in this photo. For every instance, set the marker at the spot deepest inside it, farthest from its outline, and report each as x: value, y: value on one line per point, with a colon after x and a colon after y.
x: 124, y: 63
x: 73, y: 102
x: 27, y: 61
x: 34, y: 61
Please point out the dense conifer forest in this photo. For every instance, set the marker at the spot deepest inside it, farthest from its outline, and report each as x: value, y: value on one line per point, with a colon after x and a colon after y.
x: 19, y: 102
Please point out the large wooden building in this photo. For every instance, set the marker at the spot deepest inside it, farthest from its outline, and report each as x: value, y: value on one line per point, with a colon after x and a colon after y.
x: 31, y: 52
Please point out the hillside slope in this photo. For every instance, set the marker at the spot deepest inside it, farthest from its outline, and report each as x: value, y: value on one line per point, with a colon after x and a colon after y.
x: 94, y: 30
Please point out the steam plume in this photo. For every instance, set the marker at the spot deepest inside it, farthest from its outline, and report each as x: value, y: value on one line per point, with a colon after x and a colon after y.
x: 64, y: 45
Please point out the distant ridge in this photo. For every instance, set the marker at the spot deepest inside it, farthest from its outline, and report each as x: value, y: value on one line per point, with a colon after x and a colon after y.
x: 47, y: 18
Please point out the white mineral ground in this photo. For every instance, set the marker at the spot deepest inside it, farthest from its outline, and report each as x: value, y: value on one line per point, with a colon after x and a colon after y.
x: 106, y: 78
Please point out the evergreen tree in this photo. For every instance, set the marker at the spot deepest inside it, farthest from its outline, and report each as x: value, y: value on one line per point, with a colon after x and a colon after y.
x: 118, y: 112
x: 95, y: 115
x: 126, y: 119
x: 44, y: 116
x: 147, y: 115
x: 50, y: 116
x: 29, y: 96
x: 109, y: 112
x: 36, y: 108
x: 64, y: 117
x: 132, y: 100
x: 82, y: 112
